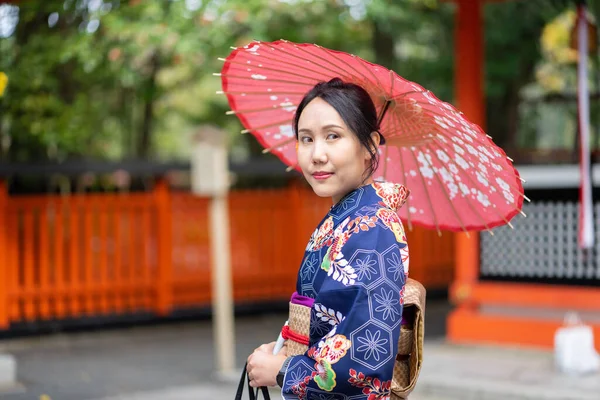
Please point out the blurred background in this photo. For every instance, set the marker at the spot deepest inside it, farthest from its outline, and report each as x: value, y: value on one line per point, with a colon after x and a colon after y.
x: 105, y: 261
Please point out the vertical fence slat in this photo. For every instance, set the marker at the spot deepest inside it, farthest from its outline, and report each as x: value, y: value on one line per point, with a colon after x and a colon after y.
x: 4, y: 257
x: 43, y: 258
x: 59, y: 260
x: 103, y: 256
x: 117, y: 261
x: 73, y: 264
x: 88, y: 259
x: 14, y: 309
x: 148, y: 272
x: 28, y: 283
x: 132, y: 267
x: 164, y: 290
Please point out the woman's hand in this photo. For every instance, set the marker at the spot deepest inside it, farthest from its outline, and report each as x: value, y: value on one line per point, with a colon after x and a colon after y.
x: 263, y: 366
x: 268, y: 348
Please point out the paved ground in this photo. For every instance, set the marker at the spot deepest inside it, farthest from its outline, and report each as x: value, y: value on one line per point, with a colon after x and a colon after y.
x: 95, y: 365
x: 174, y: 362
x: 100, y: 364
x: 453, y: 372
x: 499, y: 373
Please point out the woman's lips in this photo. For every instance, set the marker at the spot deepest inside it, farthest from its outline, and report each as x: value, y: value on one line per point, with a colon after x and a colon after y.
x: 322, y: 175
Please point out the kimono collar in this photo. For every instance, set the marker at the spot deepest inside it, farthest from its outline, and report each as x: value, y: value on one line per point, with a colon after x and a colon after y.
x: 393, y: 195
x: 381, y: 194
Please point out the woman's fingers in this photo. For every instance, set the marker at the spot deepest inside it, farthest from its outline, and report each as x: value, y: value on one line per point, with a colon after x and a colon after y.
x: 267, y: 347
x: 283, y: 351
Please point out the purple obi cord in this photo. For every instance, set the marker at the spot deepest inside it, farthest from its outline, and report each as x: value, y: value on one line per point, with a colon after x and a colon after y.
x: 302, y: 300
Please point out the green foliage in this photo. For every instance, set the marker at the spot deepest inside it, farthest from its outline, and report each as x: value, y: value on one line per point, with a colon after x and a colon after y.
x: 120, y: 79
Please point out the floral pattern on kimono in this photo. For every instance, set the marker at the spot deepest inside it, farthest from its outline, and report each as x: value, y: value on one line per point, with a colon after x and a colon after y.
x: 355, y: 267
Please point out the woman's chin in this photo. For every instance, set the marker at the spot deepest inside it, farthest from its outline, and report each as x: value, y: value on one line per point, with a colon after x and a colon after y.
x: 322, y: 190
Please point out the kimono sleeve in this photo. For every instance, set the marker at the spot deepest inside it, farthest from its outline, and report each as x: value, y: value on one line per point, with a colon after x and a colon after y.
x: 358, y: 311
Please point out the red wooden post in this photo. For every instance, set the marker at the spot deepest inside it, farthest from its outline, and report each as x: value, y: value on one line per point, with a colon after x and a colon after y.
x: 470, y: 100
x: 164, y: 235
x: 4, y: 321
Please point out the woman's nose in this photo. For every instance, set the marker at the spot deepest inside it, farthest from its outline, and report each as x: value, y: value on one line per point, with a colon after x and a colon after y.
x: 319, y: 153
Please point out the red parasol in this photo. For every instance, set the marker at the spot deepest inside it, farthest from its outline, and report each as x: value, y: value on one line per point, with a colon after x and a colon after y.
x: 458, y: 178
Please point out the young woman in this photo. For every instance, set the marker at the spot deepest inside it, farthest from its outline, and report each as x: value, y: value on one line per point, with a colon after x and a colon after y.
x: 356, y: 262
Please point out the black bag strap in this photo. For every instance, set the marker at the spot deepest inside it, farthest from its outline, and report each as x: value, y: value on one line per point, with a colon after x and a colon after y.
x: 253, y: 391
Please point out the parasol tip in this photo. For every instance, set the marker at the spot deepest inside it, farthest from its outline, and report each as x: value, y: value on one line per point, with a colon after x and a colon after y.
x: 221, y: 59
x: 233, y: 47
x: 522, y: 180
x: 523, y: 214
x: 245, y: 131
x: 265, y: 151
x: 526, y: 199
x: 510, y: 225
x: 510, y: 159
x: 490, y: 232
x: 289, y: 169
x: 216, y: 74
x: 220, y: 92
x: 231, y: 112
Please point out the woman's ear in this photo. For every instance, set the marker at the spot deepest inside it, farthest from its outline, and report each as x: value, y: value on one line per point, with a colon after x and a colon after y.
x: 375, y: 139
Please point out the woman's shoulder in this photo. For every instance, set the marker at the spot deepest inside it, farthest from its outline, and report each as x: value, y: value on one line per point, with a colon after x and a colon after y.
x: 379, y: 229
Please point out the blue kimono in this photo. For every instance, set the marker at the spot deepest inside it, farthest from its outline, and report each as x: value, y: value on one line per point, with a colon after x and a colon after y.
x: 354, y: 267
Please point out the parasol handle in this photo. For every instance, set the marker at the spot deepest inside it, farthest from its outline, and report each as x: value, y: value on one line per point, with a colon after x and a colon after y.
x: 280, y: 341
x: 385, y: 108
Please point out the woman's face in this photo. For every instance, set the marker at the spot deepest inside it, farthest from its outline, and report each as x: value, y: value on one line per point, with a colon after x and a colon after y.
x: 331, y: 158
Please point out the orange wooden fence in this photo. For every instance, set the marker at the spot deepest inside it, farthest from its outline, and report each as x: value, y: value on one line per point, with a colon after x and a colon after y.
x: 116, y: 254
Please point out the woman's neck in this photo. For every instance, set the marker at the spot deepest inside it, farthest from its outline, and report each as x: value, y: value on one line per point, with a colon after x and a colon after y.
x: 366, y: 182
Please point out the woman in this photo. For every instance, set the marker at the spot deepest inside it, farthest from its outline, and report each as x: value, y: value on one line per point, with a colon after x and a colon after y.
x: 356, y: 262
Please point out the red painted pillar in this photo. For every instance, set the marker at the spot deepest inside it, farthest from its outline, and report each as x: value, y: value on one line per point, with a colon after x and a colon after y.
x: 469, y: 99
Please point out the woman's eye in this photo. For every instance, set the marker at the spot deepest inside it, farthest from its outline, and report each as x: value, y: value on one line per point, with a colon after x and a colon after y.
x: 332, y: 136
x: 305, y: 139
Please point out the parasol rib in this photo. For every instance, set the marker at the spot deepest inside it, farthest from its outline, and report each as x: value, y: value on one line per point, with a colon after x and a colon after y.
x: 320, y: 78
x: 262, y: 93
x: 255, y: 128
x: 253, y: 110
x: 339, y: 69
x: 249, y: 78
x: 278, y: 145
x: 245, y: 65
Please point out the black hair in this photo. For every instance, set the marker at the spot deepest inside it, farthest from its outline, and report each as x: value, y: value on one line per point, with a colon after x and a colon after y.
x: 356, y: 108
